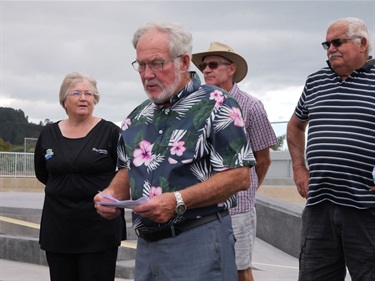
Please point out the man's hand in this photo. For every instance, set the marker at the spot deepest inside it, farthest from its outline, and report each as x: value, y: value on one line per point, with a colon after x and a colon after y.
x: 301, y: 178
x: 107, y: 212
x: 160, y: 208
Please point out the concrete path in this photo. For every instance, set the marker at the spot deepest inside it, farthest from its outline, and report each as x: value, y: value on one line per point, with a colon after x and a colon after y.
x: 270, y: 263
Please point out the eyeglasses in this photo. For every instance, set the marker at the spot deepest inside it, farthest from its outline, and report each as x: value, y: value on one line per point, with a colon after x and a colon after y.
x: 337, y: 42
x: 78, y: 94
x: 212, y: 65
x: 154, y: 66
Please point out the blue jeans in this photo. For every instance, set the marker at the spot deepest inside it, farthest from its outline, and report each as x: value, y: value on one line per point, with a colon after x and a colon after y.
x: 334, y: 237
x: 199, y: 254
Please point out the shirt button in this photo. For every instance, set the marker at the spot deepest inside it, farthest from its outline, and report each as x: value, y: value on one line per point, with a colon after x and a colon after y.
x: 160, y: 131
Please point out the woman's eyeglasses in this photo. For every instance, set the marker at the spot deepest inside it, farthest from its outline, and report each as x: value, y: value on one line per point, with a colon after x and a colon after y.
x: 337, y: 42
x: 212, y: 64
x: 78, y: 94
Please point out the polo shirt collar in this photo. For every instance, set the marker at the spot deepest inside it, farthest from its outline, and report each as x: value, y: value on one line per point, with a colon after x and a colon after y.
x: 365, y: 68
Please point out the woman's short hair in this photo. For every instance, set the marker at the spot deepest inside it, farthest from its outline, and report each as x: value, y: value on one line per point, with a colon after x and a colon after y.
x: 72, y: 79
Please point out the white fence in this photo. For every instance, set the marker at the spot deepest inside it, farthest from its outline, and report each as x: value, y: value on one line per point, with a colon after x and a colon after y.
x: 22, y: 165
x: 16, y: 165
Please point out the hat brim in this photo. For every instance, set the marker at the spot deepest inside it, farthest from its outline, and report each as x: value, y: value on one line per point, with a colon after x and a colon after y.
x: 241, y: 64
x: 371, y: 61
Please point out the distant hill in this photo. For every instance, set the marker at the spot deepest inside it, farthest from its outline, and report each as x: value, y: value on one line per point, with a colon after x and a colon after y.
x: 15, y: 127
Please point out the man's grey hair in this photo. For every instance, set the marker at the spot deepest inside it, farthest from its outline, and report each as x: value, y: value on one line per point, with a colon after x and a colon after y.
x: 180, y: 40
x: 355, y: 27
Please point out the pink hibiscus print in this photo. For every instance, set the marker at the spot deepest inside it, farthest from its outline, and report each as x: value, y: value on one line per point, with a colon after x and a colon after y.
x: 155, y: 191
x: 218, y: 96
x: 236, y: 116
x: 178, y: 148
x: 126, y: 124
x: 142, y: 155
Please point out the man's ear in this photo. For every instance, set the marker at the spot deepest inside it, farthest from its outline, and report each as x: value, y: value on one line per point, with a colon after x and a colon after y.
x: 232, y: 69
x: 364, y: 44
x: 185, y: 62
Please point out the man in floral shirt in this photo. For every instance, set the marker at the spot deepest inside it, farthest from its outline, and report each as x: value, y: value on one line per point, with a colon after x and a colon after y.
x: 185, y: 149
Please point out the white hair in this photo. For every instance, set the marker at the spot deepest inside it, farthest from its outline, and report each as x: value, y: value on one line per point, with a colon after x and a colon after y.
x: 355, y: 27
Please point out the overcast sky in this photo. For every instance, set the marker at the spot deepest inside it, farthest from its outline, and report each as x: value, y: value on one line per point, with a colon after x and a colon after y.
x: 42, y: 41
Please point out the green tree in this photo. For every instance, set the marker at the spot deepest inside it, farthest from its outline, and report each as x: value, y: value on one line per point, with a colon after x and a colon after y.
x: 15, y: 127
x: 280, y: 143
x: 5, y: 145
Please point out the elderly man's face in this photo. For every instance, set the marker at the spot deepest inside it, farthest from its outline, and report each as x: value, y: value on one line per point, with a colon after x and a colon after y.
x: 221, y: 75
x: 344, y: 58
x: 160, y: 86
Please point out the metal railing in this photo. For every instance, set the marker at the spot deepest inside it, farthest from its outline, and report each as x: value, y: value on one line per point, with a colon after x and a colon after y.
x: 16, y: 164
x: 19, y: 164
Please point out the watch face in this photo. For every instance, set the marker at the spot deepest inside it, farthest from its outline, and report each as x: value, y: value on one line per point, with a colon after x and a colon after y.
x: 180, y: 209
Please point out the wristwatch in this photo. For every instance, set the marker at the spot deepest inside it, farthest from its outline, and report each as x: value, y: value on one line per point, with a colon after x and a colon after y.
x: 180, y: 205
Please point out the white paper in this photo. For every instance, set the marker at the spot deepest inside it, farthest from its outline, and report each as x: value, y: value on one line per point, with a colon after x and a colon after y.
x: 130, y: 204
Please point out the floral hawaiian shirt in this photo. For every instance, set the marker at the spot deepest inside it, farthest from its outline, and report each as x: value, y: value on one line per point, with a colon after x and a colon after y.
x: 167, y: 149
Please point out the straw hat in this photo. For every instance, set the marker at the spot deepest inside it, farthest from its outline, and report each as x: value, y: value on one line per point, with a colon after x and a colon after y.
x: 220, y: 49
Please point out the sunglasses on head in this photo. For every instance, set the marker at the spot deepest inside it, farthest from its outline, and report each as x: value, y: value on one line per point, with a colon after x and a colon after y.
x: 337, y: 42
x: 211, y: 65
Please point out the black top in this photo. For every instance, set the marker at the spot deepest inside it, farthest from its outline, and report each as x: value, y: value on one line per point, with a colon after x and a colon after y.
x: 73, y: 171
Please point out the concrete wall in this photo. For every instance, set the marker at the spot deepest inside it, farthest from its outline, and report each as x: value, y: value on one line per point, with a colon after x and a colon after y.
x: 279, y: 223
x: 19, y: 241
x: 281, y: 165
x: 22, y: 249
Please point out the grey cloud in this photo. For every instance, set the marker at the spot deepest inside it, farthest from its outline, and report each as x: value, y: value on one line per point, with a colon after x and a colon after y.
x: 42, y: 41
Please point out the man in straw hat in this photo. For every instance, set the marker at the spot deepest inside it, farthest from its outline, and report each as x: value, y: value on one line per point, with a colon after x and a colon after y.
x: 222, y: 67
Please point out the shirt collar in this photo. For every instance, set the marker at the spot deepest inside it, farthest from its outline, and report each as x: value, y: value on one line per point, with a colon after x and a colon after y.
x: 365, y: 68
x: 234, y: 88
x: 189, y: 88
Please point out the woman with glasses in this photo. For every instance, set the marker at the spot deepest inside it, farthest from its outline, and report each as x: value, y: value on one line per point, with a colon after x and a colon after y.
x: 75, y: 158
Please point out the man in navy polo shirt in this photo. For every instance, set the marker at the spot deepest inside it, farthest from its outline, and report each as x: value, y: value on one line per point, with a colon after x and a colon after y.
x: 338, y: 104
